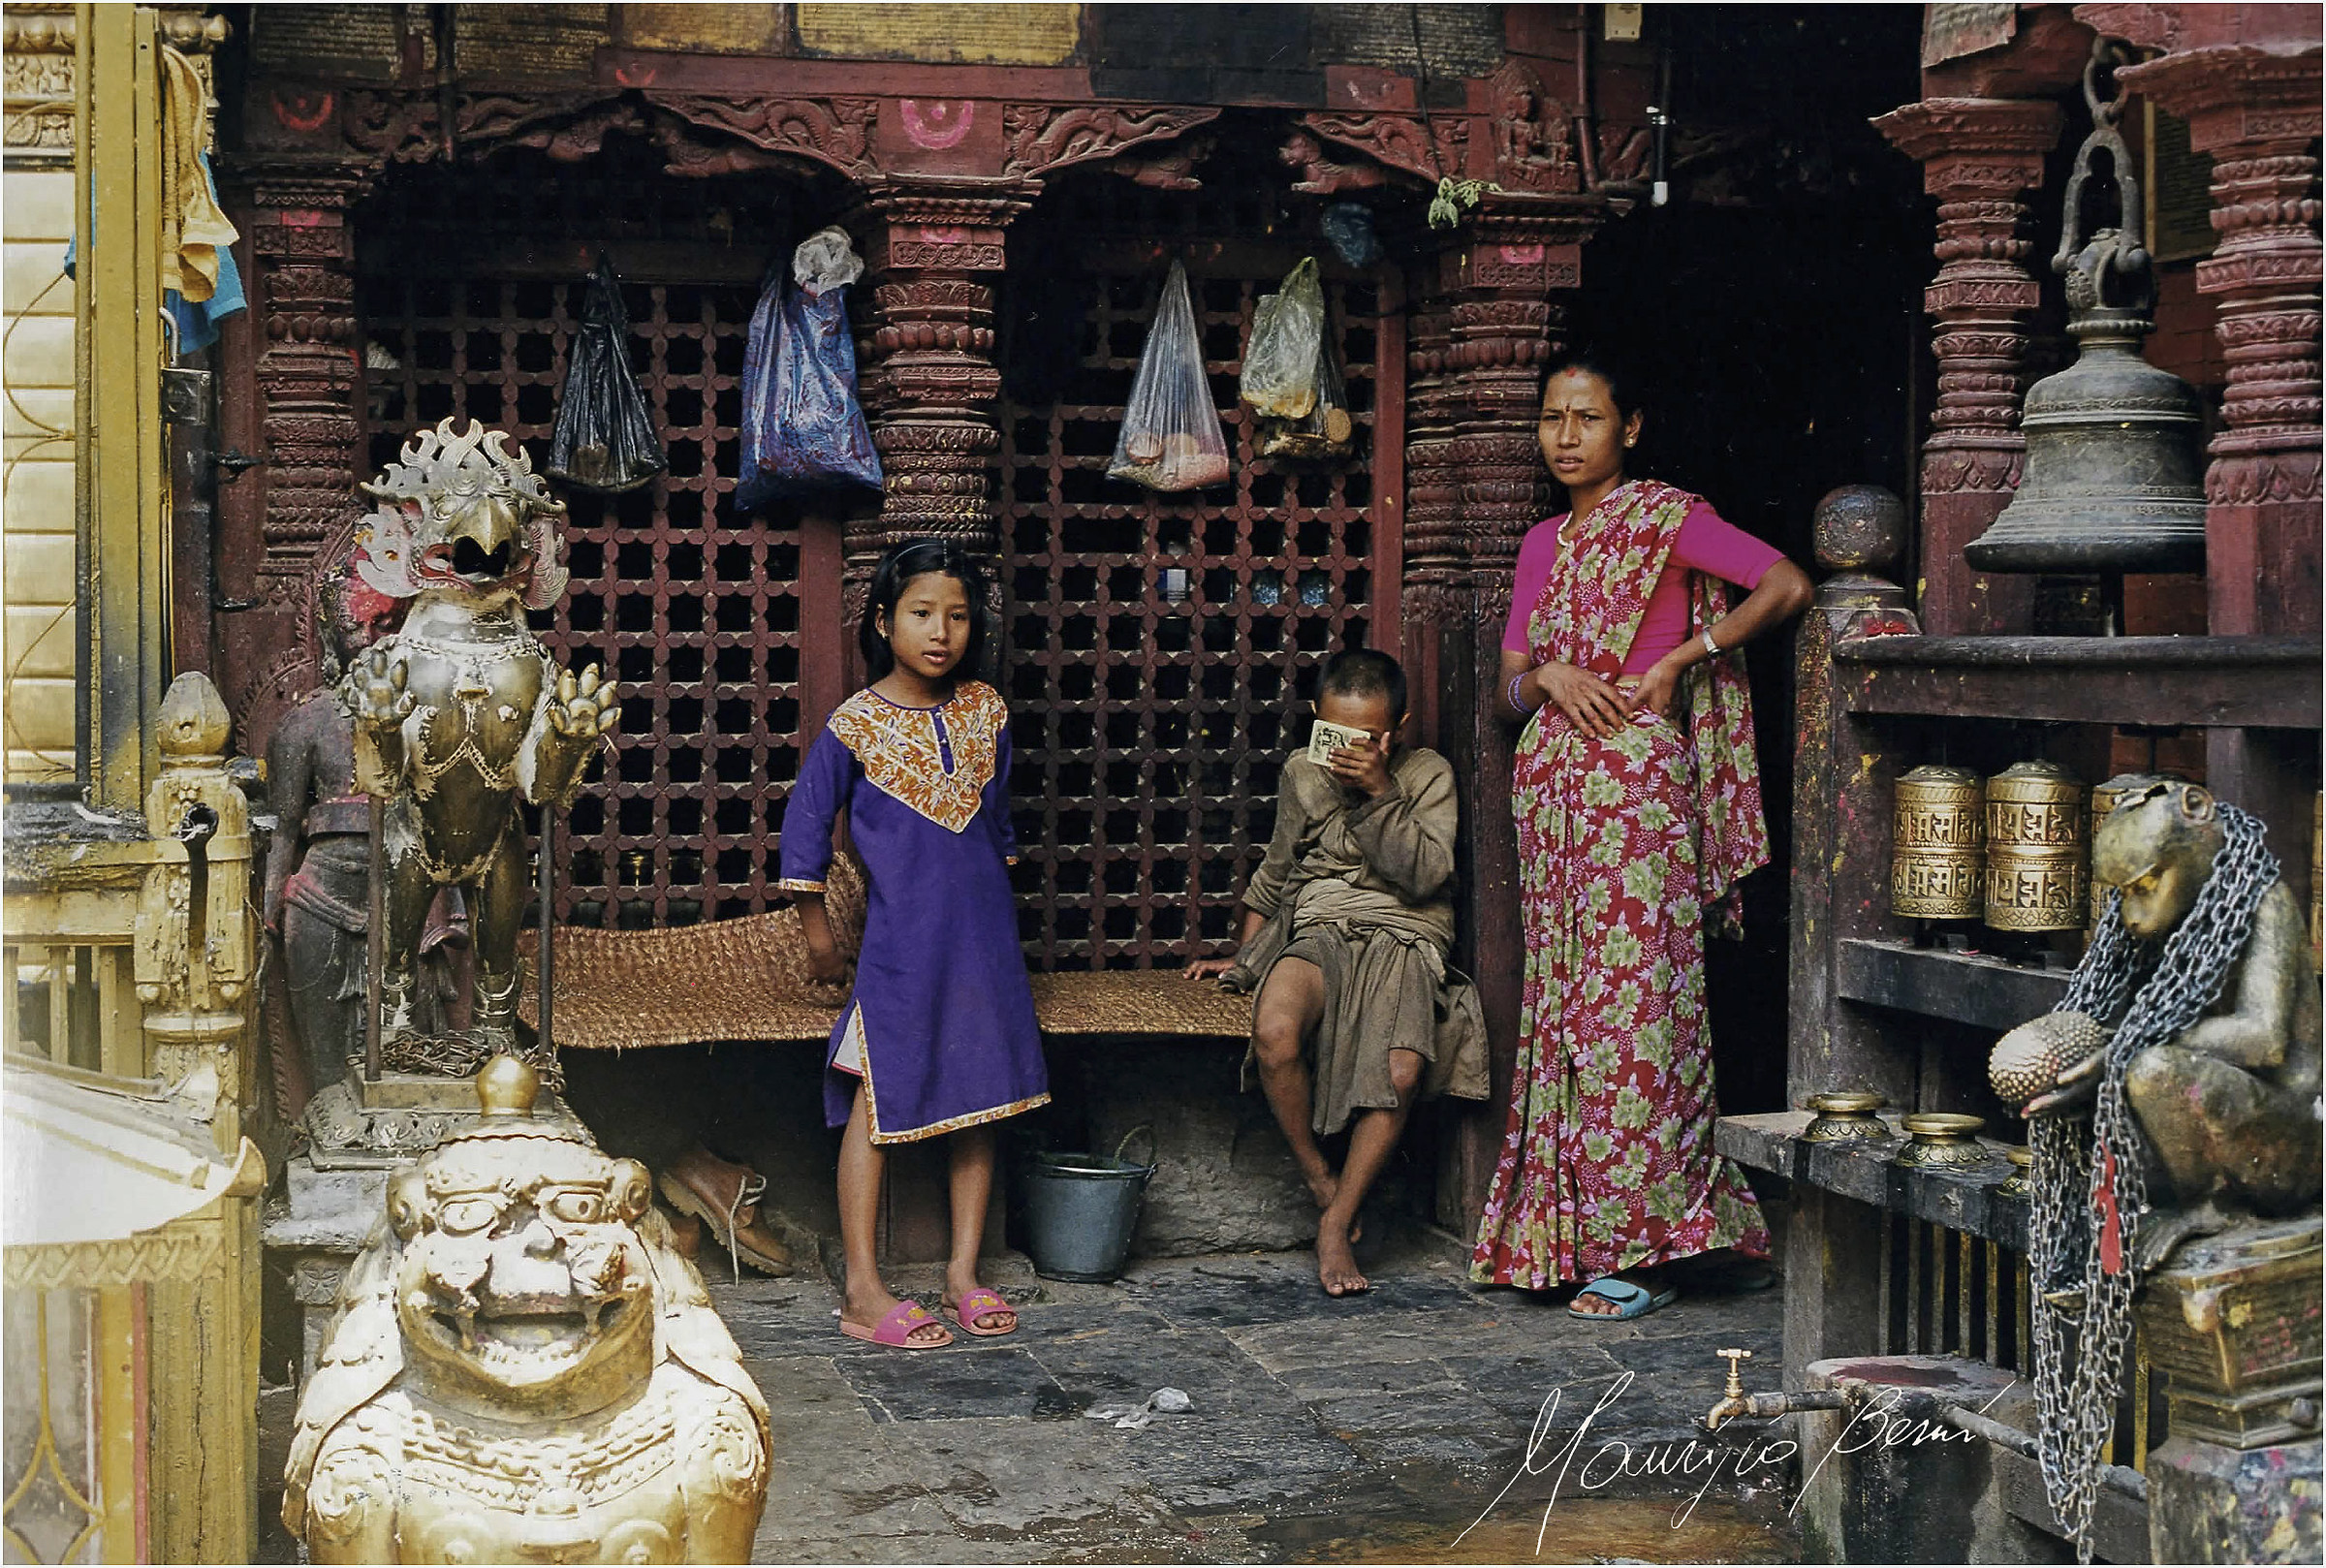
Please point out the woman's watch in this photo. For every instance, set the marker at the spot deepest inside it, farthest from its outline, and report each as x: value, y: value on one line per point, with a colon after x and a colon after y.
x: 1710, y: 648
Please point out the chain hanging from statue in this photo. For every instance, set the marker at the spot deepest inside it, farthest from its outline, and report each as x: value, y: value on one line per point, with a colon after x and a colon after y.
x: 2115, y: 472
x: 2089, y: 1178
x: 461, y: 720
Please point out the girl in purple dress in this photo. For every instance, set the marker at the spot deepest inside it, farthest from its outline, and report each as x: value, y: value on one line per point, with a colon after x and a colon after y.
x: 938, y: 1035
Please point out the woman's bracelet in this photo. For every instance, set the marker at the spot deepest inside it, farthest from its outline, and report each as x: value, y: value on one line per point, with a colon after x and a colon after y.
x: 1710, y: 646
x: 1516, y: 704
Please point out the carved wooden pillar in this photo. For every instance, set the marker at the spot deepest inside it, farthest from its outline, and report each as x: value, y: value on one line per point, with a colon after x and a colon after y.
x: 1979, y: 155
x: 2257, y: 113
x: 1436, y: 559
x: 305, y: 427
x: 929, y: 382
x: 1489, y: 317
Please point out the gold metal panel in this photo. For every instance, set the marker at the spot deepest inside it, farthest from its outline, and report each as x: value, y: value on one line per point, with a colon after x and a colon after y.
x: 736, y: 29
x: 529, y: 43
x: 946, y: 35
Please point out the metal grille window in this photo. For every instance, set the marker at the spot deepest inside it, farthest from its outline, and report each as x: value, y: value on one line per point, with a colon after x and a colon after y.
x: 694, y: 608
x: 1159, y: 646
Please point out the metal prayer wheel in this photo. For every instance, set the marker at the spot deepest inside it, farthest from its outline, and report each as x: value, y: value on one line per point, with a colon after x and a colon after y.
x: 2115, y: 473
x: 2038, y: 858
x: 1937, y: 844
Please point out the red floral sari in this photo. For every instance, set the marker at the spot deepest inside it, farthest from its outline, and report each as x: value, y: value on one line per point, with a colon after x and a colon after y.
x: 1626, y: 846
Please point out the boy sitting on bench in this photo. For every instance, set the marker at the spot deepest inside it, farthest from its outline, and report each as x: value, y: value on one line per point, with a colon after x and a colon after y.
x: 1345, y: 932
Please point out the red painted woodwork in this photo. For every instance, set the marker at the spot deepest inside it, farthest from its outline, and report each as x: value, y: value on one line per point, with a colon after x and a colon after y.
x: 1978, y: 157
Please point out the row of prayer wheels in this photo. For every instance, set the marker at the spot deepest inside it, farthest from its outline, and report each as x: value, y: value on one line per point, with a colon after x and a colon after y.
x: 2014, y: 851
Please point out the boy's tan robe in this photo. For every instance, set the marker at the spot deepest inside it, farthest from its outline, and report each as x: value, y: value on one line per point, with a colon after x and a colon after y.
x: 1365, y: 891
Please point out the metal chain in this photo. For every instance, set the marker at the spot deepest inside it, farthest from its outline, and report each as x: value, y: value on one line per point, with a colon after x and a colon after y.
x: 2085, y: 1171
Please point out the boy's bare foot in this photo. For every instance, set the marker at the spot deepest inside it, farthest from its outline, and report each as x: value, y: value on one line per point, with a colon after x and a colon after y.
x: 1324, y: 1186
x: 1336, y: 1265
x: 866, y: 1308
x: 997, y: 1321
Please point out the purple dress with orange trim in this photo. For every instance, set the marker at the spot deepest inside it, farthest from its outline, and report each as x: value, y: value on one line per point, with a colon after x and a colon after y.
x: 940, y: 1027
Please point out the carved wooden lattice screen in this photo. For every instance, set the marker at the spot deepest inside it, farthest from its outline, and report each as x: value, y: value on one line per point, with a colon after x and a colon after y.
x: 694, y: 608
x: 1151, y: 713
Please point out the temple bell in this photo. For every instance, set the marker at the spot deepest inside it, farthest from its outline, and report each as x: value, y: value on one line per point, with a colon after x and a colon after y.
x: 2114, y: 475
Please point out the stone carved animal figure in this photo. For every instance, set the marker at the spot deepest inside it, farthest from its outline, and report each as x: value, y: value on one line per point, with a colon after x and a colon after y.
x: 524, y: 1370
x: 460, y: 715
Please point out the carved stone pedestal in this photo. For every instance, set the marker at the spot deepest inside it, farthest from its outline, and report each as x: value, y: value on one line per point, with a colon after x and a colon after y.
x: 2234, y: 1323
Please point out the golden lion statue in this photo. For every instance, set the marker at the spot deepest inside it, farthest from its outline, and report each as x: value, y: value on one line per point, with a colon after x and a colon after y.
x: 524, y: 1370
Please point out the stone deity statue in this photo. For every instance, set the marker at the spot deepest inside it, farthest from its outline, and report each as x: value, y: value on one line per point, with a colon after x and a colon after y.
x: 461, y: 717
x: 2227, y: 1098
x: 317, y: 872
x: 523, y: 1370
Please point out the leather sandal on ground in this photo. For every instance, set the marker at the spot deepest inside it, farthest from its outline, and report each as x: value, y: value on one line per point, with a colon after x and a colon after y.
x: 1631, y: 1299
x: 725, y: 1197
x: 983, y: 1302
x: 897, y: 1329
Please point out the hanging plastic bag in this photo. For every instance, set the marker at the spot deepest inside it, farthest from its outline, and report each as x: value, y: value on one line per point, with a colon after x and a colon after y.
x: 802, y: 428
x: 1170, y: 437
x: 1280, y: 363
x: 604, y: 438
x: 1291, y: 381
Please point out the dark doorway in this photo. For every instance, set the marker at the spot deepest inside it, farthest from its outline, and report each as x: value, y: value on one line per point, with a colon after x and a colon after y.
x: 1772, y: 311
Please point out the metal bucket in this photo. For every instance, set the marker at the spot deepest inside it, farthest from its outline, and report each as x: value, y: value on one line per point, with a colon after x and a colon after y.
x: 1081, y: 1210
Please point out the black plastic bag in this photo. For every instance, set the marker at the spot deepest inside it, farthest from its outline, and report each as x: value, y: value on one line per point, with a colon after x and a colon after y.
x: 604, y: 438
x: 802, y: 428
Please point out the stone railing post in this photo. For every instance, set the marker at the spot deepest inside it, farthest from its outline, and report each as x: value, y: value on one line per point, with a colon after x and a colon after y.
x: 1979, y: 156
x: 194, y: 954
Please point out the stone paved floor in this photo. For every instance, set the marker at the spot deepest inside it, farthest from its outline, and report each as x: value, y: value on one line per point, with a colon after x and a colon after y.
x: 1365, y: 1429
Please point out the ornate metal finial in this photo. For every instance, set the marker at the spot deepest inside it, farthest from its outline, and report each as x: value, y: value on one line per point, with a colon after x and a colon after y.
x: 507, y: 1087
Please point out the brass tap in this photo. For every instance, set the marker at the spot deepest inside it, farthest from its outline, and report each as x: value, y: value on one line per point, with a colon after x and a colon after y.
x: 1732, y: 1402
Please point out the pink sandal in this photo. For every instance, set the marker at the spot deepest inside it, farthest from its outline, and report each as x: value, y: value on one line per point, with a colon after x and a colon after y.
x: 897, y: 1328
x: 976, y: 1304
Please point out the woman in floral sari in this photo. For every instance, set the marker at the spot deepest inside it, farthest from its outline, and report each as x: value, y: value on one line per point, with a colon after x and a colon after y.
x: 1638, y: 807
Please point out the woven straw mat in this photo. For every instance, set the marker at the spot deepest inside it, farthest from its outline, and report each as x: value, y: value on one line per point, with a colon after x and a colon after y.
x: 748, y: 979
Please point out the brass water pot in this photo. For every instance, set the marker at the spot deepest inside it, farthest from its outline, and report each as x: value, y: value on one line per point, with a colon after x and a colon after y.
x: 2038, y: 857
x: 1937, y: 844
x: 1846, y: 1119
x: 1939, y: 1138
x: 2015, y: 1185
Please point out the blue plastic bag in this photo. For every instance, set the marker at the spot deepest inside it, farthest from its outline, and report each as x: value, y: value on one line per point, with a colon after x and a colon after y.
x: 802, y: 428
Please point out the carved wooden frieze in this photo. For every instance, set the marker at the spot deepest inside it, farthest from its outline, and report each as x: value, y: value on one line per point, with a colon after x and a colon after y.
x: 833, y: 131
x: 1401, y: 142
x: 1043, y: 137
